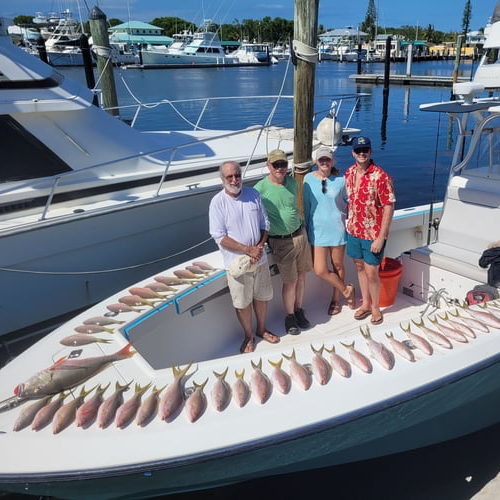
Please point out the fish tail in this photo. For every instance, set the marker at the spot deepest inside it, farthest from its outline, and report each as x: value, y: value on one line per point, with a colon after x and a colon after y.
x: 407, y: 330
x: 143, y: 389
x: 292, y: 356
x: 125, y: 352
x: 348, y: 346
x: 183, y: 372
x: 84, y: 393
x: 330, y: 351
x: 389, y: 335
x: 276, y: 364
x: 200, y: 386
x: 318, y: 351
x: 419, y: 324
x: 366, y: 334
x: 239, y: 374
x: 101, y: 389
x: 222, y: 375
x: 122, y: 388
x: 157, y: 389
x: 257, y: 366
x: 456, y: 314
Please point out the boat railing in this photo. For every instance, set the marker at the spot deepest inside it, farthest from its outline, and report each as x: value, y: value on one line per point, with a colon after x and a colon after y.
x: 204, y: 102
x: 478, y: 133
x: 58, y: 179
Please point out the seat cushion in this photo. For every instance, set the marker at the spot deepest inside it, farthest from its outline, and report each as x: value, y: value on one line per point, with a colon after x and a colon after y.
x: 453, y: 259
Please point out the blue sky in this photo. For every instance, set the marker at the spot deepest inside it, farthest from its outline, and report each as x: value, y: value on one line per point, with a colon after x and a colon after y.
x: 445, y: 15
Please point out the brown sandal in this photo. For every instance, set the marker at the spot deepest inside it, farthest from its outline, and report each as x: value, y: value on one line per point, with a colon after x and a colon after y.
x: 246, y: 346
x: 333, y: 308
x: 350, y: 298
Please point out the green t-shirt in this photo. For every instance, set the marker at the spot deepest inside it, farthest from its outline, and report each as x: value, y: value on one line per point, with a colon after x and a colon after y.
x: 280, y: 203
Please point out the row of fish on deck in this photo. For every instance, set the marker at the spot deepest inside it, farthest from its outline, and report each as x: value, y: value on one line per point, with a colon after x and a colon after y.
x: 66, y: 374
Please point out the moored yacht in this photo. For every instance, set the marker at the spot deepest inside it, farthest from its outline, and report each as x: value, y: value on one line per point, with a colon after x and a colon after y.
x: 202, y: 48
x: 89, y: 204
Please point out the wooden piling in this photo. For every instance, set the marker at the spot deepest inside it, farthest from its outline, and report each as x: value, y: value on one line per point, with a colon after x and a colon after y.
x: 458, y: 54
x: 305, y: 31
x: 99, y: 31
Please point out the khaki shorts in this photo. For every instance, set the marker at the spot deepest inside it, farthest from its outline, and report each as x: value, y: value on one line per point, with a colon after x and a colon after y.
x: 256, y: 285
x: 292, y: 255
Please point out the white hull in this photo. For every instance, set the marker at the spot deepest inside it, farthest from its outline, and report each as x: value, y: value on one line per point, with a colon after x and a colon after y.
x: 155, y: 58
x: 432, y: 415
x: 65, y: 58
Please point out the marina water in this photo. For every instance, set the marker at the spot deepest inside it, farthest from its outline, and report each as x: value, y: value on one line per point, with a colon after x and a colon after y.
x: 405, y: 145
x: 415, y: 148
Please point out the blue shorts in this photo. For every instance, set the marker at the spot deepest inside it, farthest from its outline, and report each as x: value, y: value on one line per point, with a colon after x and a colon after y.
x: 361, y: 249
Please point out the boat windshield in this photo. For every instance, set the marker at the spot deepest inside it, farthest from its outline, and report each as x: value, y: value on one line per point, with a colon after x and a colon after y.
x: 485, y: 158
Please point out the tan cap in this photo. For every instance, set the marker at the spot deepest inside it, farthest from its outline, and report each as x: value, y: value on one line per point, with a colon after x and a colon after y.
x: 324, y: 152
x: 277, y: 155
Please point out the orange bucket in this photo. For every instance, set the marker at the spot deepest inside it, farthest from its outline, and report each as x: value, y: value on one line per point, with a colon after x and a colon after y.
x: 390, y: 271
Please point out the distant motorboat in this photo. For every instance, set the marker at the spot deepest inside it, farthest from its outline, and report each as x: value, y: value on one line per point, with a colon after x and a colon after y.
x: 203, y: 49
x: 254, y: 53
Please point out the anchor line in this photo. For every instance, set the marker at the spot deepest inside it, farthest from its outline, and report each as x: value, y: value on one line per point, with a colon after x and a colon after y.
x: 104, y: 271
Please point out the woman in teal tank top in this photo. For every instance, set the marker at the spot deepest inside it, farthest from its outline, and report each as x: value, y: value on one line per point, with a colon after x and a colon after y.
x: 325, y: 211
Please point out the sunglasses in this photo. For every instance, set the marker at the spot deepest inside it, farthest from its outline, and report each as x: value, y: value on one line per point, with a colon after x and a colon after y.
x: 280, y: 164
x: 323, y: 186
x: 236, y: 176
x: 362, y: 150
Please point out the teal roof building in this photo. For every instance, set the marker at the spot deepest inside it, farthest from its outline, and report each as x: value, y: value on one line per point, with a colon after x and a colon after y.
x: 137, y: 32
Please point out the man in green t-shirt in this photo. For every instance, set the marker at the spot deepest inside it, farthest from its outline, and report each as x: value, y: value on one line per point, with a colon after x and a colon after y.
x: 287, y: 237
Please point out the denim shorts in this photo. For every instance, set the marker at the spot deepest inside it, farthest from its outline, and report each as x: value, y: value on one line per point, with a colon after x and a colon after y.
x: 361, y: 249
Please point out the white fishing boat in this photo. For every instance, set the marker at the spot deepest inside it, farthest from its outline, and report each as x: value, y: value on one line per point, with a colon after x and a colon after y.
x: 63, y: 42
x: 90, y: 204
x: 428, y: 387
x: 202, y: 48
x: 254, y: 53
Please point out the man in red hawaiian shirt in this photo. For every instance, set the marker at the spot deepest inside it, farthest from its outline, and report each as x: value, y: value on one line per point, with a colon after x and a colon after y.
x: 371, y: 206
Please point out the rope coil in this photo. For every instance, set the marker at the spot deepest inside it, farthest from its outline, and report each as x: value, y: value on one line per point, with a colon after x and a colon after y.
x: 305, y: 52
x: 101, y: 50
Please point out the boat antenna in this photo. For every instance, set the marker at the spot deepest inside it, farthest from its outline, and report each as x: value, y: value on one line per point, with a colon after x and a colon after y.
x: 432, y: 223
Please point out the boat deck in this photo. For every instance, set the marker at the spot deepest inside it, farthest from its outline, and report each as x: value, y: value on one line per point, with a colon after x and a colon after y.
x: 339, y: 327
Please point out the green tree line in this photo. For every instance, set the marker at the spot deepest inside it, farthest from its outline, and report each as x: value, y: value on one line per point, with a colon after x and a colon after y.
x: 278, y: 29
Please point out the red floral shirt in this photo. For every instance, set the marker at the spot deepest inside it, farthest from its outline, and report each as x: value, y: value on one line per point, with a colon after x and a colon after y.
x: 366, y: 203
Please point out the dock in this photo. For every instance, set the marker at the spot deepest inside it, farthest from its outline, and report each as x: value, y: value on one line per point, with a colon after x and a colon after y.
x: 430, y: 81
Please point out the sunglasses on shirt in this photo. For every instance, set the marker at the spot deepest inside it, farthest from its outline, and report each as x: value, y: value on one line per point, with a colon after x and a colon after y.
x: 323, y: 186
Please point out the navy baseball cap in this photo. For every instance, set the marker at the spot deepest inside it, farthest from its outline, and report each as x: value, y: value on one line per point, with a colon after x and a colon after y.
x: 361, y: 142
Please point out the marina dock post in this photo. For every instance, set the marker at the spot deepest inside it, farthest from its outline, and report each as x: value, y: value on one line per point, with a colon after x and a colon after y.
x: 99, y: 31
x: 305, y: 35
x: 458, y: 54
x: 409, y: 59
